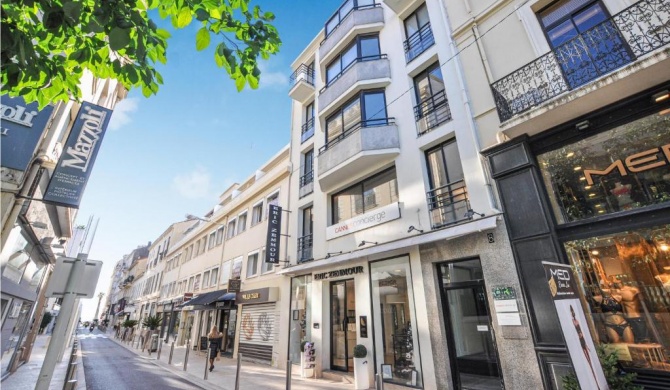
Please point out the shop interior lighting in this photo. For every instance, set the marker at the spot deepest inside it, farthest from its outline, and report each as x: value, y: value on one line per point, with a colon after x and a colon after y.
x: 664, y: 247
x: 578, y: 168
x: 661, y: 96
x: 582, y: 178
x: 595, y: 252
x: 367, y: 242
x: 664, y: 112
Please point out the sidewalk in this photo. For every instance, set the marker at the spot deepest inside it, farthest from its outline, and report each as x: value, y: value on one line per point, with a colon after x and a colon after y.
x: 25, y: 377
x: 252, y: 376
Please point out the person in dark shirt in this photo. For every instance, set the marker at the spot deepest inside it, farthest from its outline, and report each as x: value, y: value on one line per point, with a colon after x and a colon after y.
x: 214, y: 338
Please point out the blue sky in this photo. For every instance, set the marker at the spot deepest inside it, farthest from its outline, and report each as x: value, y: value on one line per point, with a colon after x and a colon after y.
x: 175, y: 152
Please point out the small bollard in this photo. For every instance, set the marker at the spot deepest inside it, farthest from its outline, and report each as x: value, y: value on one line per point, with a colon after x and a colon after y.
x: 143, y: 342
x: 188, y: 350
x: 171, y: 352
x: 237, y: 374
x: 207, y: 358
x: 160, y: 345
x: 289, y: 367
x: 379, y: 381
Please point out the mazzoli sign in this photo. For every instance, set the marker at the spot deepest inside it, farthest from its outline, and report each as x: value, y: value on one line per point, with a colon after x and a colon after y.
x: 364, y: 221
x: 69, y: 179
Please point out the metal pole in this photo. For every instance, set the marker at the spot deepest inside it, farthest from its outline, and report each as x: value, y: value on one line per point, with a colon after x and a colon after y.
x: 289, y: 367
x: 380, y: 381
x: 160, y: 347
x: 209, y: 352
x: 59, y: 334
x: 237, y: 374
x: 188, y: 350
x: 171, y: 352
x: 70, y: 385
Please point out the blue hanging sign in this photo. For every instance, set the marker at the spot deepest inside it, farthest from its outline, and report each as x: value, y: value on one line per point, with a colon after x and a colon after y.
x: 22, y: 126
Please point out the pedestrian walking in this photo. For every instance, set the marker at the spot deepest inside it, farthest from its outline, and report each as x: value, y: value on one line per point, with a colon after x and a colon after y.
x: 214, y: 337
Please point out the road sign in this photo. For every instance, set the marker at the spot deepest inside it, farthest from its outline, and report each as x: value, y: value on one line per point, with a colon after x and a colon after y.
x: 85, y: 287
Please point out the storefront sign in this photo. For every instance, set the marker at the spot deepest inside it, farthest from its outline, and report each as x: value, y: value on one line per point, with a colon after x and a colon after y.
x: 69, y: 179
x: 274, y: 234
x: 573, y: 323
x: 22, y: 127
x: 167, y: 307
x: 338, y: 273
x: 234, y: 285
x: 187, y: 297
x: 635, y: 163
x: 375, y: 217
x: 261, y: 295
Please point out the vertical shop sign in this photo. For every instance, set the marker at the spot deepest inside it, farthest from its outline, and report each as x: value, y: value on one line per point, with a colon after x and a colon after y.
x: 573, y: 323
x: 22, y: 126
x: 274, y: 232
x: 69, y: 179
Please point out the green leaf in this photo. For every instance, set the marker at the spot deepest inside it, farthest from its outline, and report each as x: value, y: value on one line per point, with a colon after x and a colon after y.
x: 253, y: 81
x: 239, y: 82
x: 184, y: 17
x: 202, y: 15
x: 163, y: 33
x: 72, y: 10
x: 202, y: 39
x: 119, y: 38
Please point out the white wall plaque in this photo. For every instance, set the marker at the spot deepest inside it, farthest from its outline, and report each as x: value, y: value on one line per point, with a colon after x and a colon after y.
x: 506, y: 306
x: 375, y: 217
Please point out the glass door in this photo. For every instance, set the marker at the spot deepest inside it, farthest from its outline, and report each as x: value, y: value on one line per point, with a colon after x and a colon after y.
x: 470, y: 337
x: 342, y: 325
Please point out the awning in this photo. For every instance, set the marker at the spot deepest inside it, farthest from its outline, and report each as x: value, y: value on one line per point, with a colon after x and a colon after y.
x: 206, y: 299
x: 229, y: 296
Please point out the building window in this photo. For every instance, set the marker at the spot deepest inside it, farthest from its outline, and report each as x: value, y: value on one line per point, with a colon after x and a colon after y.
x: 190, y: 283
x: 617, y: 170
x: 15, y: 261
x: 272, y: 200
x: 237, y: 268
x: 196, y: 285
x: 252, y: 265
x: 344, y: 10
x: 231, y: 229
x: 265, y: 266
x: 307, y: 168
x: 307, y: 129
x: 625, y: 281
x: 225, y: 271
x: 305, y: 242
x: 432, y: 107
x: 363, y: 48
x: 212, y: 240
x: 366, y: 109
x: 241, y: 223
x: 257, y: 213
x: 418, y: 32
x: 448, y: 196
x: 219, y: 235
x: 369, y: 194
x: 214, y: 277
x: 205, y: 279
x: 396, y: 341
x: 301, y: 315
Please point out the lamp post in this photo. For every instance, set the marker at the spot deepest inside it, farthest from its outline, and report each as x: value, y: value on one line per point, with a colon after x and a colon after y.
x: 97, y: 309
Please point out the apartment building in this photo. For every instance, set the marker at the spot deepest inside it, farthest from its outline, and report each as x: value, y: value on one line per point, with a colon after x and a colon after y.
x: 33, y: 232
x: 400, y: 242
x: 571, y: 102
x: 228, y: 243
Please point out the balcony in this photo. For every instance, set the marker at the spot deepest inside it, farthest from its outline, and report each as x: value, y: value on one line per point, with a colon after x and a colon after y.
x: 606, y: 47
x: 398, y: 6
x: 432, y: 112
x: 419, y: 42
x: 448, y: 204
x: 350, y: 20
x: 302, y: 84
x: 305, y: 248
x: 363, y: 148
x: 307, y: 130
x: 306, y: 184
x: 362, y: 73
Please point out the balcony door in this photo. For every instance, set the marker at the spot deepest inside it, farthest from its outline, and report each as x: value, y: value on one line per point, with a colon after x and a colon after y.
x: 447, y: 198
x: 586, y: 41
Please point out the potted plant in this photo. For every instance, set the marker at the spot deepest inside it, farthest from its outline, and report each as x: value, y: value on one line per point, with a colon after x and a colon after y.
x: 361, y: 377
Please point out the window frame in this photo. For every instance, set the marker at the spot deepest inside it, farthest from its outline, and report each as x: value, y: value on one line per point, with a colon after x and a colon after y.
x: 270, y: 266
x: 362, y: 122
x: 360, y: 184
x: 254, y: 220
x: 231, y: 231
x: 359, y: 56
x: 255, y: 268
x: 242, y: 227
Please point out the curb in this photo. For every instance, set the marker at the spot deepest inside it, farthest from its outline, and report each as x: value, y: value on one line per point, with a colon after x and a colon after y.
x: 80, y: 375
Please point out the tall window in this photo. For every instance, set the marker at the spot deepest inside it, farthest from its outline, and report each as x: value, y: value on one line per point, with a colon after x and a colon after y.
x: 431, y: 108
x: 418, y: 32
x: 212, y: 240
x: 366, y: 109
x: 307, y: 168
x: 344, y: 10
x: 190, y: 283
x: 265, y: 266
x: 257, y: 213
x: 231, y: 229
x: 214, y: 277
x: 272, y: 200
x: 196, y: 285
x: 205, y: 279
x: 307, y: 130
x: 237, y: 268
x: 225, y: 271
x: 252, y: 265
x: 363, y: 48
x: 219, y: 235
x: 305, y: 242
x: 371, y: 193
x: 241, y: 223
x: 447, y: 198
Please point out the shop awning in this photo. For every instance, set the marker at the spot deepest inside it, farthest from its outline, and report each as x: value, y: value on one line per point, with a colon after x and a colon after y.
x: 229, y: 296
x: 206, y: 299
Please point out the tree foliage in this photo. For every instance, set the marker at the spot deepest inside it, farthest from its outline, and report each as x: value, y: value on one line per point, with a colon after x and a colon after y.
x: 48, y: 44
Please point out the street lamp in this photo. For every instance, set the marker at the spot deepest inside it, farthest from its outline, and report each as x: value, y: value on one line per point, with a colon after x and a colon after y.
x: 97, y: 309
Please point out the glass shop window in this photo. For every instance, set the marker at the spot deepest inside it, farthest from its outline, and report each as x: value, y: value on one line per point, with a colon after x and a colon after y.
x: 621, y: 169
x: 625, y: 279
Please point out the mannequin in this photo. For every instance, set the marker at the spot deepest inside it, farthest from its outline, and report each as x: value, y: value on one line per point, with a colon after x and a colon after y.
x: 622, y: 193
x: 618, y: 329
x: 632, y: 309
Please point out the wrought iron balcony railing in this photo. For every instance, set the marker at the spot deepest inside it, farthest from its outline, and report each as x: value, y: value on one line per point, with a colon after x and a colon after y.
x: 303, y: 73
x: 368, y: 123
x: 418, y: 42
x: 448, y: 204
x: 351, y: 65
x: 617, y: 41
x: 306, y: 178
x: 305, y: 248
x: 431, y: 112
x: 307, y: 130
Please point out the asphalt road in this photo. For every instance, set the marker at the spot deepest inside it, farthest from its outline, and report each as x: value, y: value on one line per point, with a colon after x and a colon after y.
x: 110, y: 366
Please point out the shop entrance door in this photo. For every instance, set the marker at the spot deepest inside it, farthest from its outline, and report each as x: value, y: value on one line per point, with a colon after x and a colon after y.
x: 470, y: 337
x: 342, y: 325
x: 227, y: 327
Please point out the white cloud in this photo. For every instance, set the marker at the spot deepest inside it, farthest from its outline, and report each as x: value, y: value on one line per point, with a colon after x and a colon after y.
x: 122, y: 114
x: 269, y: 78
x: 194, y: 184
